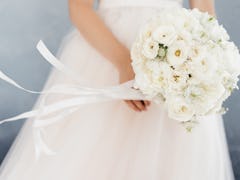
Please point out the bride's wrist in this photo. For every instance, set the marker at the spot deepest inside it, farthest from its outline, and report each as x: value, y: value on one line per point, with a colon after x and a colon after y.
x: 124, y: 67
x: 121, y: 57
x: 124, y: 63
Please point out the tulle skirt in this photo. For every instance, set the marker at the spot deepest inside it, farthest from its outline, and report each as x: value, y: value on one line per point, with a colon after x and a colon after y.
x: 109, y: 141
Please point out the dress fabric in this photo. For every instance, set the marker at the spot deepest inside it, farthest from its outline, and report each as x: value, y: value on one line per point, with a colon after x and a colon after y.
x: 109, y: 141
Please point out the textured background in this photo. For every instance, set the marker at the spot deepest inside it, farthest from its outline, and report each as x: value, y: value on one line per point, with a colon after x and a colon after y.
x: 24, y: 23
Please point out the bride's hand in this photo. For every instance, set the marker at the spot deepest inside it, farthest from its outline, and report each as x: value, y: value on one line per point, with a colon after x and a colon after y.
x: 126, y: 73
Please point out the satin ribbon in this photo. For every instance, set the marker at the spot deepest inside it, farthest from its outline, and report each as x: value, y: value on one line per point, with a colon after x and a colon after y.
x: 82, y: 95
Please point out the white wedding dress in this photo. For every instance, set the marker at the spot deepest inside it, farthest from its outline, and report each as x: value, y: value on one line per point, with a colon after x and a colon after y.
x: 109, y: 141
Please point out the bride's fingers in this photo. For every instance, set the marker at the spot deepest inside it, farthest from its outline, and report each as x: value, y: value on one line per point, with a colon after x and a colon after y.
x: 147, y: 102
x: 140, y: 105
x: 132, y: 105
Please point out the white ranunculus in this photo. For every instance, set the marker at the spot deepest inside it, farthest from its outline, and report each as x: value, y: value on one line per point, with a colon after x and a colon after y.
x: 160, y: 77
x: 191, y: 24
x: 147, y: 30
x: 197, y: 51
x: 179, y: 109
x: 203, y: 64
x: 164, y: 35
x: 185, y: 35
x: 205, y: 95
x: 205, y: 67
x: 177, y: 53
x: 177, y: 80
x: 150, y: 49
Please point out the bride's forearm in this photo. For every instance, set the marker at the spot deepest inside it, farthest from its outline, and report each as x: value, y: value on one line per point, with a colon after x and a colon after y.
x: 204, y: 5
x: 97, y: 34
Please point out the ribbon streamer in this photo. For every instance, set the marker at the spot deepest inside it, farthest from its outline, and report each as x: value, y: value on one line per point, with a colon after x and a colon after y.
x: 83, y: 95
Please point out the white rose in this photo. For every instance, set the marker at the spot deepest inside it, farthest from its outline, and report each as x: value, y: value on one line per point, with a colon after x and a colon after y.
x: 164, y: 35
x: 178, y: 80
x: 218, y: 106
x: 191, y: 23
x: 197, y: 51
x: 185, y: 35
x: 160, y: 77
x: 150, y: 48
x: 146, y: 31
x: 177, y: 53
x: 205, y: 95
x: 204, y: 65
x: 179, y: 109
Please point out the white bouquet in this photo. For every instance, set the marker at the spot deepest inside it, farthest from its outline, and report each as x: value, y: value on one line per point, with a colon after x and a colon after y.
x: 185, y: 58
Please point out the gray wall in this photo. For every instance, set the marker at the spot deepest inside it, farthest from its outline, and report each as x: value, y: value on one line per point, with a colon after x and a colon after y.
x: 24, y: 22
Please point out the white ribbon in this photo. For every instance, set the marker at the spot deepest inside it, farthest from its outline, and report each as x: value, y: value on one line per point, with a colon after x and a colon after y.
x: 83, y: 95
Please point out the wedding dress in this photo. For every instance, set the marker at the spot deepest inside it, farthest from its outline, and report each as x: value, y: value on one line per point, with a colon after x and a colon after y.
x: 108, y: 140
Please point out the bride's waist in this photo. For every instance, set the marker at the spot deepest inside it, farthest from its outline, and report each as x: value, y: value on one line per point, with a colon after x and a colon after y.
x: 150, y: 3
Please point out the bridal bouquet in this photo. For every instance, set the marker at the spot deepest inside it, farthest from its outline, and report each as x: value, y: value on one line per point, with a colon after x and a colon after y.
x: 185, y: 58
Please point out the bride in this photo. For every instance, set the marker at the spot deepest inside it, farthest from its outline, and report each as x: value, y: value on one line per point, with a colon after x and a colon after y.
x: 117, y: 140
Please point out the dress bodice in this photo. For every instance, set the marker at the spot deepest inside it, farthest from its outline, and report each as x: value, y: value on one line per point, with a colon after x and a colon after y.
x: 144, y: 3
